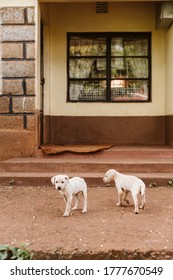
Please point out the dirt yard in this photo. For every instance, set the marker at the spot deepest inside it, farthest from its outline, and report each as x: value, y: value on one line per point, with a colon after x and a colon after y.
x: 34, y: 215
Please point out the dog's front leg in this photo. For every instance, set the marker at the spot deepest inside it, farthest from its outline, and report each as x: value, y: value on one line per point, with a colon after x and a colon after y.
x: 120, y: 194
x: 68, y: 206
x: 76, y: 202
x: 65, y: 199
x: 125, y: 197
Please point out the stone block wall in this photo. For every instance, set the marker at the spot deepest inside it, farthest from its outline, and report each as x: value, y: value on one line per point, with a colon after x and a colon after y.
x: 17, y: 67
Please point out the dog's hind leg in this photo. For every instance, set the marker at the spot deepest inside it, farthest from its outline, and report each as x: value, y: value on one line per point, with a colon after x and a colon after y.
x: 135, y: 199
x: 84, y: 194
x: 143, y: 202
x: 76, y: 202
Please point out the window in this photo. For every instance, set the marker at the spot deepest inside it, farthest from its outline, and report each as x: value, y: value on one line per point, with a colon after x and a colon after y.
x: 109, y: 67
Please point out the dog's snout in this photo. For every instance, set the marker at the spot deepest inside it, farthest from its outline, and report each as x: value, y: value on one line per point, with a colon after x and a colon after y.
x: 105, y: 180
x: 59, y: 188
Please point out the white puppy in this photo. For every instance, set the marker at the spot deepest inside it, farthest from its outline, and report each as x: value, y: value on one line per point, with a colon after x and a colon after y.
x: 126, y: 184
x: 70, y: 188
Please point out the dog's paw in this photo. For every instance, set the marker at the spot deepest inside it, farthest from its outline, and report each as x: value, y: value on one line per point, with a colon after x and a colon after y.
x: 136, y: 212
x: 66, y: 214
x: 74, y: 208
x: 84, y: 211
x: 119, y: 203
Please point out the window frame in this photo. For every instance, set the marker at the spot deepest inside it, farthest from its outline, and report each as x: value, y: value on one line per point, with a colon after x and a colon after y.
x: 108, y: 36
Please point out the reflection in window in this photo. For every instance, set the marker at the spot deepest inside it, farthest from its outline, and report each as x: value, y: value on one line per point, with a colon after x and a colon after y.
x: 109, y: 67
x: 82, y: 46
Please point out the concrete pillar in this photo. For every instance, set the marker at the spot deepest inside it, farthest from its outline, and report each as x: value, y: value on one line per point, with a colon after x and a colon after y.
x: 17, y: 82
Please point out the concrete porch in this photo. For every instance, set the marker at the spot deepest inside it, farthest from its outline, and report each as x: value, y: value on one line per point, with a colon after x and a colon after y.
x: 152, y: 164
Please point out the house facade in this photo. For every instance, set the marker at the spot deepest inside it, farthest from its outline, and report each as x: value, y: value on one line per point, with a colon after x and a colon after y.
x: 85, y: 72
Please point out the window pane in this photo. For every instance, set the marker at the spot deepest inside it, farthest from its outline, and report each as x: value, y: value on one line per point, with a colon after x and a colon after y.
x: 88, y: 90
x: 129, y: 47
x: 87, y: 68
x: 129, y: 67
x: 129, y: 90
x: 117, y: 47
x: 118, y: 68
x: 87, y: 47
x: 136, y: 47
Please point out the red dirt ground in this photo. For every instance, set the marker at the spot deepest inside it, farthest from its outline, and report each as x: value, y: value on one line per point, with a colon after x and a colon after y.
x: 34, y: 215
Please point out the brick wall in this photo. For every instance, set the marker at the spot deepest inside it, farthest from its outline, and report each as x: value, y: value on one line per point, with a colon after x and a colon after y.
x: 17, y: 91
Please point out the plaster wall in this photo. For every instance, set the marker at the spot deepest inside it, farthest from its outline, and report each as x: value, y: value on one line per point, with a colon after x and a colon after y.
x: 15, y: 3
x: 81, y: 17
x: 169, y: 72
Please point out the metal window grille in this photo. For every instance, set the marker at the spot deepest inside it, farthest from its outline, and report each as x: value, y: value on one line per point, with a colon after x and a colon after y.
x: 127, y: 94
x: 92, y: 95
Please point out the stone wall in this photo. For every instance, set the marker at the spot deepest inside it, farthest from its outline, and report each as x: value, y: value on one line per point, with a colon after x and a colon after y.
x: 17, y: 87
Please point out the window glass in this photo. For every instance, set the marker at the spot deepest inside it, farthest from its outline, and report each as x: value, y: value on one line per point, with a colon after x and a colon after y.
x: 87, y: 68
x: 87, y: 46
x: 129, y: 67
x: 129, y: 47
x: 88, y: 90
x: 129, y: 90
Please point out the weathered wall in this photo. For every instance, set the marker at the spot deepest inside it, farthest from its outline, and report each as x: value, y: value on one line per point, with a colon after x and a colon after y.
x: 108, y: 130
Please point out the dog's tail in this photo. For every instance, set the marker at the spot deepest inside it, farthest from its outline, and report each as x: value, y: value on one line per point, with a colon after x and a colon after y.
x: 142, y: 188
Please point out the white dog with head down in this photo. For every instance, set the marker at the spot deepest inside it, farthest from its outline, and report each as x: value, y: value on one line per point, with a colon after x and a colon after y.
x: 70, y: 188
x: 126, y: 184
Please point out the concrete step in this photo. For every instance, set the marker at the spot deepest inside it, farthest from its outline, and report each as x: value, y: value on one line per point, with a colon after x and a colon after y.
x: 78, y: 165
x: 15, y: 179
x: 121, y: 152
x: 152, y: 164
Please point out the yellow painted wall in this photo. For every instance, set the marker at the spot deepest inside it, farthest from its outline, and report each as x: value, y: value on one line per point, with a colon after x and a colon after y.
x: 17, y: 3
x: 169, y: 72
x: 81, y: 17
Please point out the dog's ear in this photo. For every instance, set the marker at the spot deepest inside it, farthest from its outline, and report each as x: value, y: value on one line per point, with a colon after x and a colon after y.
x: 53, y: 180
x: 67, y: 178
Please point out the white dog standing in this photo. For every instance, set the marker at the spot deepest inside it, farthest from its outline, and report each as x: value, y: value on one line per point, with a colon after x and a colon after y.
x: 126, y: 184
x: 70, y: 188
